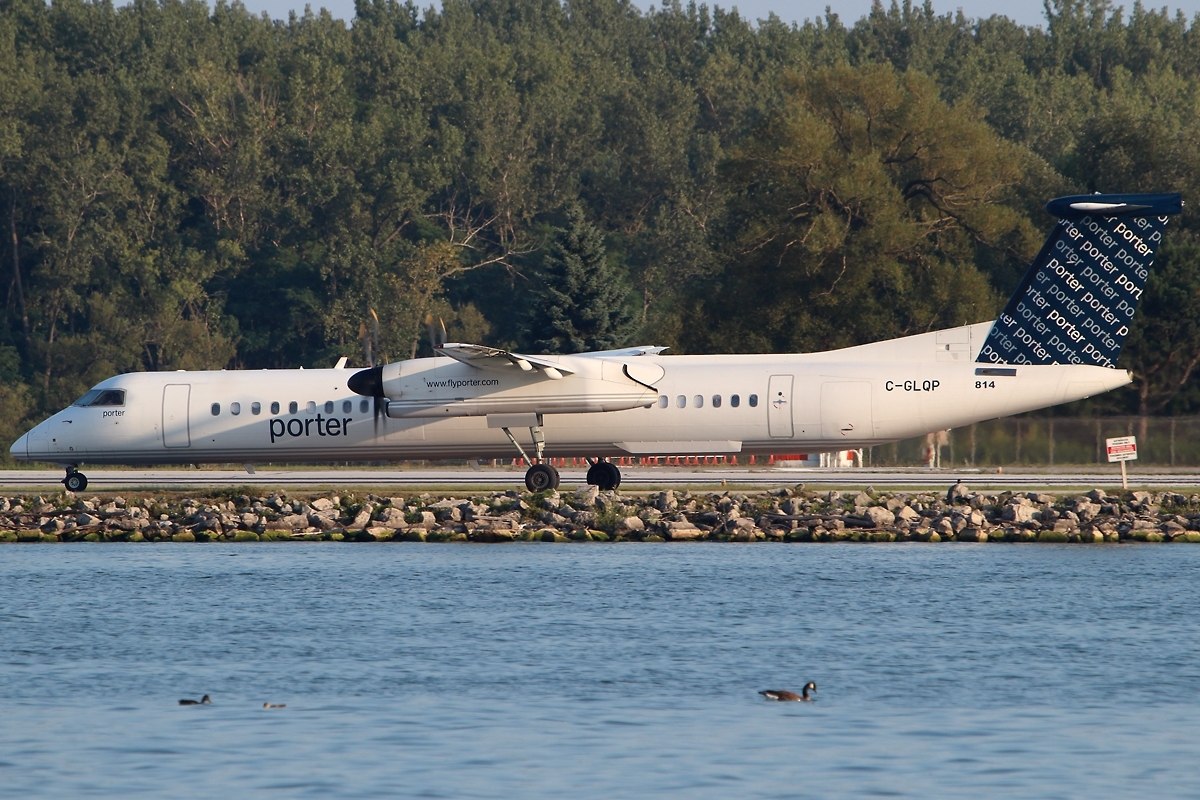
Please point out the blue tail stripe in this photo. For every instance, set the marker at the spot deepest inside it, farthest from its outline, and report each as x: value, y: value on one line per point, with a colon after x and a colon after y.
x: 1077, y: 300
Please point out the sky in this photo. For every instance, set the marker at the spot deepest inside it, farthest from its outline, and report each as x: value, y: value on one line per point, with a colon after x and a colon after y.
x: 1024, y: 12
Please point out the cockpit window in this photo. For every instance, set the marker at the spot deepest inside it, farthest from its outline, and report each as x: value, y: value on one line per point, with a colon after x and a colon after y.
x: 102, y: 397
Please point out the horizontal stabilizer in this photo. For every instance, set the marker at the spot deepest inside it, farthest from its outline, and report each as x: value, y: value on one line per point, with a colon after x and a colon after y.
x: 1077, y: 300
x: 1114, y: 205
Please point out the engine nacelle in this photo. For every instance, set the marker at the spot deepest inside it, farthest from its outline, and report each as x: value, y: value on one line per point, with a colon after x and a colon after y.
x: 445, y: 387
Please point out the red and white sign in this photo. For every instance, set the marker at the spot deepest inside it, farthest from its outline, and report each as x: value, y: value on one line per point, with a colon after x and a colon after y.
x: 1121, y: 448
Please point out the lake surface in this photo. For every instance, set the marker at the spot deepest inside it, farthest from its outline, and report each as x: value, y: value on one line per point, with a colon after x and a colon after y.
x: 599, y: 671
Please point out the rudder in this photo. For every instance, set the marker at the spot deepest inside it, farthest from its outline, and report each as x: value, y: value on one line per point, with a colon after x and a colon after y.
x: 1077, y: 300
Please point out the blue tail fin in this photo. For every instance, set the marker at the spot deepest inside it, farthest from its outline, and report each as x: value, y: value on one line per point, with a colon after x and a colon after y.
x: 1077, y: 300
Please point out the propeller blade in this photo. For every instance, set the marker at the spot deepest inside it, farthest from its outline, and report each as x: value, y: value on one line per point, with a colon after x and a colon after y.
x: 436, y: 338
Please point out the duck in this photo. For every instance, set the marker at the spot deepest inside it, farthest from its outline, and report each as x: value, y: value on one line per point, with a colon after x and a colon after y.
x: 785, y: 695
x: 203, y: 701
x: 274, y: 705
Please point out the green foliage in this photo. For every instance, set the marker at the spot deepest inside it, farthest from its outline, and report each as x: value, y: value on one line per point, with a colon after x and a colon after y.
x: 858, y: 212
x: 580, y: 300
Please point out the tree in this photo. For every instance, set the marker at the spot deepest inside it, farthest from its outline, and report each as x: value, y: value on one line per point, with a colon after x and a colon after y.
x: 582, y: 302
x: 857, y: 215
x: 1163, y: 348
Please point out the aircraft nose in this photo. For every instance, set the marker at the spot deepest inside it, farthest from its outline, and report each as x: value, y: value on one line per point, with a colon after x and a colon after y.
x: 20, y: 448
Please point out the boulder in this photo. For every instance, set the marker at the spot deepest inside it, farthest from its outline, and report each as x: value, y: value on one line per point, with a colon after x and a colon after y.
x: 682, y: 531
x: 958, y: 493
x: 880, y: 517
x: 631, y: 524
x: 1018, y: 511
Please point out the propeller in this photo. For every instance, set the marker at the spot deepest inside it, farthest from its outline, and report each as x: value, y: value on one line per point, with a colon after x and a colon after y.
x: 369, y: 383
x: 435, y: 341
x: 369, y: 336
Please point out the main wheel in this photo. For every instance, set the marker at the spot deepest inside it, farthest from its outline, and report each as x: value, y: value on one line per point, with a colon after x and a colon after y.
x: 75, y: 481
x: 605, y: 475
x: 541, y: 478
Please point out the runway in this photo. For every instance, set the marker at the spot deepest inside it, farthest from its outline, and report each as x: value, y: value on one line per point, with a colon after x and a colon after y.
x: 633, y: 478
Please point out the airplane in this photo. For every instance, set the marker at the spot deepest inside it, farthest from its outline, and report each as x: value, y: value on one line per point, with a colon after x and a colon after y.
x: 1057, y: 340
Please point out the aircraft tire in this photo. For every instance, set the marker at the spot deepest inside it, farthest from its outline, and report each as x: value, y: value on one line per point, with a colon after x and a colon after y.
x: 604, y: 475
x: 75, y: 481
x: 541, y: 478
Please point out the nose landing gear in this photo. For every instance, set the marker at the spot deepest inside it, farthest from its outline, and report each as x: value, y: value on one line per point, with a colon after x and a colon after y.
x: 75, y: 481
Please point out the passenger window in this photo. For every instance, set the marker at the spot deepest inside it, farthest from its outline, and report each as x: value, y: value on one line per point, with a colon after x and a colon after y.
x: 216, y: 409
x: 256, y: 408
x: 347, y: 406
x: 699, y: 399
x: 275, y: 407
x: 293, y: 407
x: 734, y: 401
x: 364, y: 406
x: 311, y: 407
x: 235, y: 408
x: 753, y: 400
x: 681, y: 401
x: 328, y: 406
x: 663, y: 401
x: 716, y: 401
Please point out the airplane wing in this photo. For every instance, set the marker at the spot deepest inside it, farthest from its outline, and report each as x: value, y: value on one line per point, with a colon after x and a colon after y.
x: 481, y: 357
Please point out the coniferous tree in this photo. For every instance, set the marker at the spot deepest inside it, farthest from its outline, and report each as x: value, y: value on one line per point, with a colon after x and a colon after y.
x: 582, y: 300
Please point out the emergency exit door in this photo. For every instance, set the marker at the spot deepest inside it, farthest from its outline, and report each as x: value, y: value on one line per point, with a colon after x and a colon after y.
x: 779, y: 407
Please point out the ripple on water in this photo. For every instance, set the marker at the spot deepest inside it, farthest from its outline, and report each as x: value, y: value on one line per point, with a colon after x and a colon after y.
x: 597, y: 671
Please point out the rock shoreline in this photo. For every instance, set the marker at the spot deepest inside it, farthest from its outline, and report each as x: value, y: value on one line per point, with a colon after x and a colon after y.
x: 782, y: 515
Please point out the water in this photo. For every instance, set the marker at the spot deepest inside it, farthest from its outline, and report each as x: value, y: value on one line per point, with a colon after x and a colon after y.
x: 544, y: 671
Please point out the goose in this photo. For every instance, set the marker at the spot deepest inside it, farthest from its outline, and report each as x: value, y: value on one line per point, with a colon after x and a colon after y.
x: 784, y: 695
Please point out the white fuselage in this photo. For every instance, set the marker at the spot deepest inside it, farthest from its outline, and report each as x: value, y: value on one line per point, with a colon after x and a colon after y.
x: 840, y: 399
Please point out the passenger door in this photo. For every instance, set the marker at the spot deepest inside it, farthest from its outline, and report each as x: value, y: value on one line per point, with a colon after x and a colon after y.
x: 176, y: 431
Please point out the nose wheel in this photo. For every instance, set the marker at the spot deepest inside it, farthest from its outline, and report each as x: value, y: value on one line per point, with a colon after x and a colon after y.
x: 75, y: 481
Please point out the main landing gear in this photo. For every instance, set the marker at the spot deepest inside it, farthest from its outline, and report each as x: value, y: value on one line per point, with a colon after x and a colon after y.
x: 75, y: 481
x: 542, y: 477
x: 603, y: 474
